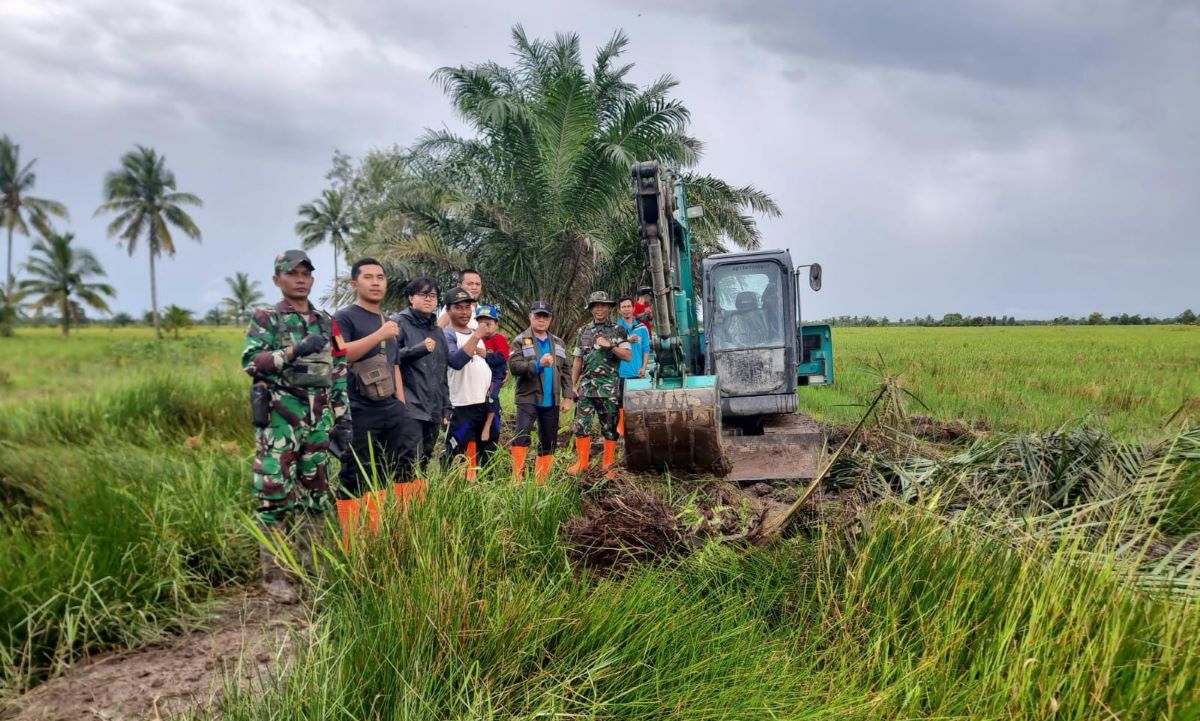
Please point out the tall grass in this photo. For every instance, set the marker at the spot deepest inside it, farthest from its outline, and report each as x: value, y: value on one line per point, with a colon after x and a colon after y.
x: 110, y: 544
x: 465, y: 607
x: 150, y: 411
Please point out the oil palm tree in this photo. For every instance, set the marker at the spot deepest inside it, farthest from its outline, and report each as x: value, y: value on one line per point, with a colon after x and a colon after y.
x: 539, y: 198
x: 326, y: 219
x: 60, y: 278
x: 142, y: 193
x: 243, y: 296
x: 19, y: 210
x: 176, y: 319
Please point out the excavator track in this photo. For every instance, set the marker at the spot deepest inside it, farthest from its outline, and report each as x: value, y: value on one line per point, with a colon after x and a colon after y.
x: 789, y: 448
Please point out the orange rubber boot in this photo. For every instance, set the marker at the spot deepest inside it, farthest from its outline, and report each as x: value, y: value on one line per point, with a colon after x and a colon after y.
x: 621, y: 423
x: 472, y: 468
x: 518, y: 458
x: 406, y: 493
x: 610, y: 455
x: 544, y: 464
x: 347, y: 513
x: 373, y: 501
x: 583, y: 452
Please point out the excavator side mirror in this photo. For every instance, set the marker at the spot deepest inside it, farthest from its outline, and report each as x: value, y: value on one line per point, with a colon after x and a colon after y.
x: 814, y: 276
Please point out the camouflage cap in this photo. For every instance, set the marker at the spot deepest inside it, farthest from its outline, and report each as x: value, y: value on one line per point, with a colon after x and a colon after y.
x: 289, y: 259
x: 599, y: 297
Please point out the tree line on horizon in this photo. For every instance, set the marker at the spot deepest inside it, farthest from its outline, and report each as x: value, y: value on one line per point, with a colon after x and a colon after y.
x: 958, y: 320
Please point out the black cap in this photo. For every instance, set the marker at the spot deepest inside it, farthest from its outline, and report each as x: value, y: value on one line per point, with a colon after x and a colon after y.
x: 645, y: 290
x: 289, y: 259
x: 457, y: 295
x: 541, y: 306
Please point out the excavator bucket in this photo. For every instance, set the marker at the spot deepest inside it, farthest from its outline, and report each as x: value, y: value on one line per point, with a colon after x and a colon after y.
x: 673, y: 424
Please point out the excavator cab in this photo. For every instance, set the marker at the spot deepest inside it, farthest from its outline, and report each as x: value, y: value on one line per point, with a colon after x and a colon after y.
x: 755, y: 341
x: 750, y: 340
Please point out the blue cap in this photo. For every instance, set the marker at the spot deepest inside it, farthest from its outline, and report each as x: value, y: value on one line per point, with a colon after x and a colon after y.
x: 488, y: 311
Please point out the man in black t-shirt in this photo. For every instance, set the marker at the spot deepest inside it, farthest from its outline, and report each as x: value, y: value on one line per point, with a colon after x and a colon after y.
x: 374, y: 385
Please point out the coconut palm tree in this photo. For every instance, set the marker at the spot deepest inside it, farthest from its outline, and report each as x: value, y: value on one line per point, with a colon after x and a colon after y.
x: 60, y: 274
x: 326, y: 219
x: 143, y: 195
x: 19, y: 210
x: 539, y: 198
x: 243, y: 296
x: 176, y: 319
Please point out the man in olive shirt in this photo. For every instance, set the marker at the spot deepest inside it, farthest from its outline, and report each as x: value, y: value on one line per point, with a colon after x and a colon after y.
x: 595, y: 375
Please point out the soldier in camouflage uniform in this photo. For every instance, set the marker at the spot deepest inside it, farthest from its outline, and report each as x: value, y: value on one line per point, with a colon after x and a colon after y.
x: 601, y: 347
x: 296, y: 356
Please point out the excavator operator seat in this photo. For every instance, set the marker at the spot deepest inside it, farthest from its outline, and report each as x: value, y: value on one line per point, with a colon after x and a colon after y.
x: 746, y: 301
x: 746, y: 326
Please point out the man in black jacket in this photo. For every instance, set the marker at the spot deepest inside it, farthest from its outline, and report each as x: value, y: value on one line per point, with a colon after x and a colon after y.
x: 423, y: 362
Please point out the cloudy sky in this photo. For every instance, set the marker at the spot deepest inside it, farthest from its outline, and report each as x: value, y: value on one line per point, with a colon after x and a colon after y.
x: 1029, y: 158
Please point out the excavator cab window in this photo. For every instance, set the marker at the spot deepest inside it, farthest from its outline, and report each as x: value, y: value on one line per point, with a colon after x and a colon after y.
x: 747, y: 306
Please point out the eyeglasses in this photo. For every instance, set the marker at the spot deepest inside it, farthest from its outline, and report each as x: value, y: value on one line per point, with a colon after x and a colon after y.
x: 431, y: 295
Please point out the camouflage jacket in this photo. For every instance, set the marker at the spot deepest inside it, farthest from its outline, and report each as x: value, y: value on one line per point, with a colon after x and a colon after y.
x: 272, y: 331
x: 599, y: 377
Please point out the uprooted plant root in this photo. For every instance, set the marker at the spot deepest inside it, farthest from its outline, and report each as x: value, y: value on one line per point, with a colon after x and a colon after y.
x: 620, y: 529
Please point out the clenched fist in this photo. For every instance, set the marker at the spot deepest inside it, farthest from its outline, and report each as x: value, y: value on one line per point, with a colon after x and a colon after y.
x: 309, y: 344
x: 389, y: 330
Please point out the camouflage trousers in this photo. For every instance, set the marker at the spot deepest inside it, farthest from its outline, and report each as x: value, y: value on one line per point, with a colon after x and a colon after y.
x: 291, y: 467
x: 607, y: 409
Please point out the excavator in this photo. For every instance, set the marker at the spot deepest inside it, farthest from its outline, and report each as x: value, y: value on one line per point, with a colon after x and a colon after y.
x: 721, y: 398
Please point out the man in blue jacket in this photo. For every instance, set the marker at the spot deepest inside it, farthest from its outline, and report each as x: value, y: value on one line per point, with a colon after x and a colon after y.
x: 639, y: 340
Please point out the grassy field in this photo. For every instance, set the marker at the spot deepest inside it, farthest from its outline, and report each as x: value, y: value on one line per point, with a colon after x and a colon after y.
x: 1129, y: 379
x: 124, y: 467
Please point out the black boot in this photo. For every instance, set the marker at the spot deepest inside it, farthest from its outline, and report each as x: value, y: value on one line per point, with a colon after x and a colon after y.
x: 277, y: 581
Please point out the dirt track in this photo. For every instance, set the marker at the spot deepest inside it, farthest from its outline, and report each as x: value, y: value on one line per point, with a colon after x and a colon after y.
x: 247, y: 638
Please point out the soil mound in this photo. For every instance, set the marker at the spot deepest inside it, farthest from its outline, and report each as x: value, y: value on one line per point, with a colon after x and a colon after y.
x: 620, y: 529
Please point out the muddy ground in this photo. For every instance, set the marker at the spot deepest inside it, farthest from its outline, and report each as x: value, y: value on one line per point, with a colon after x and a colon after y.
x: 247, y: 639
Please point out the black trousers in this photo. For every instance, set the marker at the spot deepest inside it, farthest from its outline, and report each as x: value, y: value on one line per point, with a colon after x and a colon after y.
x: 466, y: 426
x: 377, y: 447
x: 418, y: 439
x: 547, y: 425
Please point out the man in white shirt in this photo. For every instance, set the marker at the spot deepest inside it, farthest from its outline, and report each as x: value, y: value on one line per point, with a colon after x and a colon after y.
x: 469, y: 383
x: 471, y: 281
